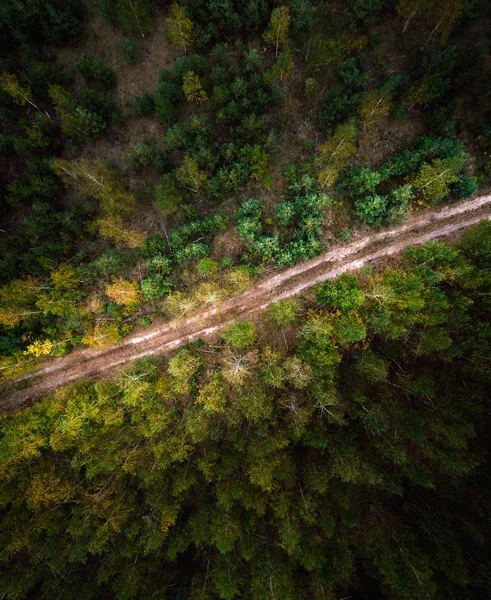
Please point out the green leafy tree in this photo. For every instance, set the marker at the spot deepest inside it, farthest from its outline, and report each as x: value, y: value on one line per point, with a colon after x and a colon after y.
x: 343, y: 293
x: 190, y: 176
x: 240, y: 334
x: 335, y: 153
x: 432, y: 183
x: 168, y: 197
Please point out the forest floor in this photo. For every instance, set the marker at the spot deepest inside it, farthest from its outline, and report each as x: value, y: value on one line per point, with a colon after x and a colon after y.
x: 160, y: 338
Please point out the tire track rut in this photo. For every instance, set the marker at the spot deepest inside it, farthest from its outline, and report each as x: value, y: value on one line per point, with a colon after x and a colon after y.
x: 80, y: 364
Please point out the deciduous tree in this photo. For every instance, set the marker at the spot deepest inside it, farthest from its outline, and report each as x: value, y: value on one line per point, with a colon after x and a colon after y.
x: 112, y: 227
x: 192, y: 88
x: 278, y: 28
x: 124, y: 292
x: 96, y: 180
x: 180, y: 28
x: 432, y: 183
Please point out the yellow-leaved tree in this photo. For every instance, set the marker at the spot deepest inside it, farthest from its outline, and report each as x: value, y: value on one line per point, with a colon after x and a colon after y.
x: 335, y: 152
x: 101, y: 334
x: 375, y: 108
x: 96, y: 180
x: 279, y: 25
x: 18, y: 301
x: 438, y: 17
x: 192, y: 88
x: 112, y: 227
x: 124, y: 292
x: 12, y: 86
x: 180, y: 28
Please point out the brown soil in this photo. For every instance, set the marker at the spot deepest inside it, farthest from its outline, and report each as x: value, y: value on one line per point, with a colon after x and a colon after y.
x: 169, y: 336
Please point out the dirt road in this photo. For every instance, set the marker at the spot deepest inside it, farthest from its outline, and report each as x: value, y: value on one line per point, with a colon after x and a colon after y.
x: 159, y: 339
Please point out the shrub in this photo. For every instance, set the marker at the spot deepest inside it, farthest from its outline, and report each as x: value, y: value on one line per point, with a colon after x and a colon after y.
x: 145, y: 155
x: 87, y: 124
x: 156, y: 287
x: 94, y: 69
x: 165, y: 100
x: 240, y: 335
x: 144, y: 104
x: 97, y: 102
x: 464, y: 187
x: 130, y: 50
x: 168, y: 195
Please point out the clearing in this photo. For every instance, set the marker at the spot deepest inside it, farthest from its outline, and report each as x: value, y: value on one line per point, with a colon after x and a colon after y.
x: 423, y: 226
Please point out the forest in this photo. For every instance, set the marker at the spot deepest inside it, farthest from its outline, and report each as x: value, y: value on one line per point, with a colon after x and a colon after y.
x: 157, y: 158
x: 336, y: 448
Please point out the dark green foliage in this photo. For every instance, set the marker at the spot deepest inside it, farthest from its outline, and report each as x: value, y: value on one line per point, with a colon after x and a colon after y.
x: 38, y: 76
x: 40, y: 139
x: 130, y: 50
x: 215, y: 19
x: 363, y: 185
x: 333, y: 468
x: 302, y: 218
x: 391, y: 208
x: 303, y: 15
x: 144, y: 104
x: 94, y: 114
x: 95, y: 70
x: 435, y: 77
x: 183, y: 243
x: 146, y: 155
x: 108, y: 265
x: 343, y: 293
x: 342, y: 100
x: 168, y: 196
x: 37, y: 182
x: 41, y: 21
x: 240, y: 335
x: 361, y: 13
x: 135, y: 16
x: 156, y: 287
x: 465, y: 187
x: 50, y: 236
x: 165, y: 100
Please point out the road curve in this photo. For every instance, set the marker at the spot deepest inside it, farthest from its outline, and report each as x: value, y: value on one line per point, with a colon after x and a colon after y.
x: 423, y: 226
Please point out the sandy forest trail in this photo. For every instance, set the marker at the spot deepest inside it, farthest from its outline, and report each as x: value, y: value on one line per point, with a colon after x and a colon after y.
x: 159, y: 339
